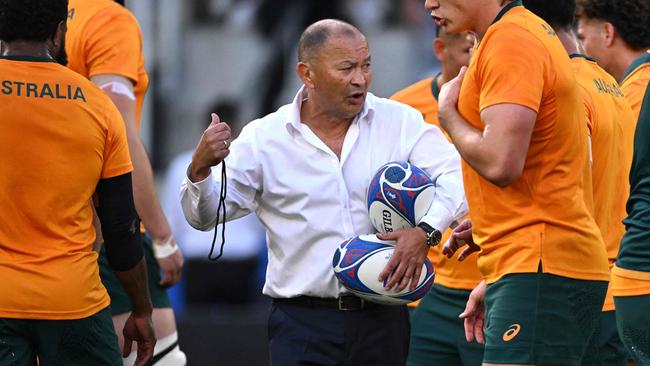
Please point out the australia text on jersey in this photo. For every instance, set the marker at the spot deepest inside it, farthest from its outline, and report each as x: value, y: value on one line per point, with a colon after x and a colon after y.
x: 45, y: 90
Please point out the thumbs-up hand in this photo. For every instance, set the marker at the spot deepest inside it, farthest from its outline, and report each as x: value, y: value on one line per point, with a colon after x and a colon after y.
x: 212, y: 148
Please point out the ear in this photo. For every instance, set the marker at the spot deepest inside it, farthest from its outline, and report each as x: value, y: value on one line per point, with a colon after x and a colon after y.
x: 439, y: 48
x: 59, y: 35
x: 305, y: 73
x: 609, y: 34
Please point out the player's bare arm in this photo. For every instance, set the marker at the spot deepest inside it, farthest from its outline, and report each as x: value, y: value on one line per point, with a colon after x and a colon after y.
x: 498, y: 152
x: 120, y: 90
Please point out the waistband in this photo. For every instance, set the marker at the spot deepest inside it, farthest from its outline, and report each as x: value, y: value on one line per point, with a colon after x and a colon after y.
x: 343, y: 303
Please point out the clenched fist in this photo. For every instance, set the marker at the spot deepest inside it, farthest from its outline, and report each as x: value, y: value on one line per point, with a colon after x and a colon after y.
x: 211, y: 150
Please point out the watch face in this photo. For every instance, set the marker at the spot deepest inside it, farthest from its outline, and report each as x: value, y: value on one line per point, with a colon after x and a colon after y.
x: 437, y: 236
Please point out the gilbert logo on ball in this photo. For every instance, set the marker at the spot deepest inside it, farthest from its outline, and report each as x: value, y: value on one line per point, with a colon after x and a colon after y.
x: 357, y: 263
x: 398, y: 196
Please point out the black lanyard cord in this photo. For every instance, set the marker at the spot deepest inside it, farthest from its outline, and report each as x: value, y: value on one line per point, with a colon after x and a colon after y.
x: 220, y: 217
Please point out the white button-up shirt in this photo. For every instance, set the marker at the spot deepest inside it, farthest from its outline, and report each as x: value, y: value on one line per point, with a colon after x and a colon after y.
x: 308, y: 199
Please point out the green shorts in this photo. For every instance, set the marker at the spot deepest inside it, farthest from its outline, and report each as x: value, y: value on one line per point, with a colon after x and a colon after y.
x: 120, y: 302
x: 605, y: 348
x: 82, y: 342
x: 633, y: 320
x: 438, y: 335
x: 541, y: 319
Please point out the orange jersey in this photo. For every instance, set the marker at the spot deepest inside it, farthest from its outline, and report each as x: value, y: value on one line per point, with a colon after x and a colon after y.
x: 423, y: 96
x: 635, y: 82
x: 542, y: 218
x: 611, y: 125
x: 105, y: 38
x: 60, y: 136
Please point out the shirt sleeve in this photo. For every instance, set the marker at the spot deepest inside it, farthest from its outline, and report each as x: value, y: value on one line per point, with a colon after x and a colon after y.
x: 114, y: 44
x: 432, y: 152
x: 511, y: 69
x: 243, y: 180
x: 117, y: 160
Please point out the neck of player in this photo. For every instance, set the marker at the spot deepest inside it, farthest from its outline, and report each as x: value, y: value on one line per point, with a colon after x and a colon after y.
x: 26, y: 48
x: 569, y: 41
x: 485, y: 18
x: 624, y: 58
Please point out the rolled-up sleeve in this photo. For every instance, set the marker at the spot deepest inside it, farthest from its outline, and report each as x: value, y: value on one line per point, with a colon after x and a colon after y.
x: 431, y: 152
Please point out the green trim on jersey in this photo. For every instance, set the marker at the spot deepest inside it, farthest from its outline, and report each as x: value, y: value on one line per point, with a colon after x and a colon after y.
x: 435, y: 91
x: 580, y: 55
x: 27, y: 58
x: 643, y: 59
x: 635, y: 246
x: 506, y: 9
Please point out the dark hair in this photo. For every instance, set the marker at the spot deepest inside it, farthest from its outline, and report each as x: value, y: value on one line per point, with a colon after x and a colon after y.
x: 559, y: 14
x: 629, y: 17
x: 121, y: 2
x: 31, y: 20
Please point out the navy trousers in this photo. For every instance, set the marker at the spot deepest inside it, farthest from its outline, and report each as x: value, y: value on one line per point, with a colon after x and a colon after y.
x: 323, y: 336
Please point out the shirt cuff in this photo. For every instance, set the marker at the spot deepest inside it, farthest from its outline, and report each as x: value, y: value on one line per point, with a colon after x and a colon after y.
x: 438, y: 217
x: 195, y: 188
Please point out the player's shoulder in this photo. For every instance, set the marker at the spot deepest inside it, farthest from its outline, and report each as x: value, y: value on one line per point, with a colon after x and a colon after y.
x: 92, y: 94
x: 390, y: 114
x: 519, y: 27
x: 97, y: 11
x: 414, y: 90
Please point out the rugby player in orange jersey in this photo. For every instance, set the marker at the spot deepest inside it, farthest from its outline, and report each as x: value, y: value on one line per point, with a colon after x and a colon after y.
x: 62, y: 141
x: 104, y: 44
x: 517, y: 118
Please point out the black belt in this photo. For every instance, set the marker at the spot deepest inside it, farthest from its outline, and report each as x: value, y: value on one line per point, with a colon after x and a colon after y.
x: 343, y: 303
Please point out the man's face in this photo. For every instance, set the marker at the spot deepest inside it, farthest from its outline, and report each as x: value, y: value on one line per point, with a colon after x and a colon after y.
x: 455, y: 50
x: 341, y: 75
x: 455, y: 15
x: 591, y: 33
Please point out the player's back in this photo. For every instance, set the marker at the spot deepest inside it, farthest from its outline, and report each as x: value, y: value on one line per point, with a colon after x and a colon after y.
x: 60, y: 135
x: 611, y: 123
x: 104, y: 38
x: 531, y: 222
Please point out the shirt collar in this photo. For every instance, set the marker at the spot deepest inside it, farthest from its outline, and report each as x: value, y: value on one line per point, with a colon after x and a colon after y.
x: 580, y: 55
x: 28, y: 58
x: 295, y: 122
x: 434, y: 87
x: 644, y: 58
x: 507, y: 8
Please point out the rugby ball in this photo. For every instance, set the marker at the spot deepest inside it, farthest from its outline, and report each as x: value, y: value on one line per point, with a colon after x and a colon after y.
x: 358, y: 262
x: 399, y: 195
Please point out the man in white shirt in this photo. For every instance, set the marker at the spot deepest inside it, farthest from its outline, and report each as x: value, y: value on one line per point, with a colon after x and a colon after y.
x: 304, y: 170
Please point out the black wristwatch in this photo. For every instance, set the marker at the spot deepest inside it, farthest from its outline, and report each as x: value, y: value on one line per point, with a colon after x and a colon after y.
x: 433, y: 235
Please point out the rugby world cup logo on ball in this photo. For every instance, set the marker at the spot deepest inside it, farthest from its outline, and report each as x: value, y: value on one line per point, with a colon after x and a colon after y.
x: 398, y: 196
x: 357, y: 263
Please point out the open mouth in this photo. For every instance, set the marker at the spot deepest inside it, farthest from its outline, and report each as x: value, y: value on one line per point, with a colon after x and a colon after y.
x: 356, y: 97
x: 439, y: 21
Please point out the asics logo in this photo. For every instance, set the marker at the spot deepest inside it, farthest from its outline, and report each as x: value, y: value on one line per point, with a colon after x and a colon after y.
x: 512, y: 332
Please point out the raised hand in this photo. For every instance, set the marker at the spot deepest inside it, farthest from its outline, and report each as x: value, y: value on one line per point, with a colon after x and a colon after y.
x: 213, y: 147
